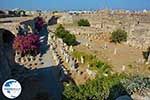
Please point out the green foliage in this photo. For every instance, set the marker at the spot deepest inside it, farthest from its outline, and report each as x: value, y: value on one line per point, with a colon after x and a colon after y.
x: 102, y: 67
x: 136, y: 83
x: 67, y: 37
x: 60, y: 30
x: 55, y: 12
x: 95, y: 64
x: 83, y: 22
x: 101, y: 88
x: 88, y: 57
x: 130, y: 66
x: 97, y: 89
x: 118, y: 36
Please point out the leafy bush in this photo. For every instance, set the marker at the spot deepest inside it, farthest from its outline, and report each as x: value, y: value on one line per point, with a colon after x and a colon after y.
x: 67, y: 37
x: 27, y: 44
x: 97, y: 89
x: 83, y: 22
x: 118, y: 36
x: 60, y: 31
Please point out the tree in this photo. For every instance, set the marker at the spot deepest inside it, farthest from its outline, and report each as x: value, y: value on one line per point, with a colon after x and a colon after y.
x: 60, y: 31
x: 66, y: 36
x: 83, y: 22
x: 118, y: 36
x: 28, y: 44
x: 69, y: 39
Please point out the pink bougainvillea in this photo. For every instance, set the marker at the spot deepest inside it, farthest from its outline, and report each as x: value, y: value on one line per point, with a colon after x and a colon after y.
x: 27, y: 44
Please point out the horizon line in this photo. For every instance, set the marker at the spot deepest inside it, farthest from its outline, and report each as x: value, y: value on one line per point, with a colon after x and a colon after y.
x: 75, y: 9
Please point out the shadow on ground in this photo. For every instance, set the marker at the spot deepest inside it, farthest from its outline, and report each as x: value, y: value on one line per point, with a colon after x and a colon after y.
x: 38, y: 84
x: 116, y: 91
x: 44, y: 39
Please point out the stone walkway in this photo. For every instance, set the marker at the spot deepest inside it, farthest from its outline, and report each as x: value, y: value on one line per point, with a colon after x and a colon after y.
x: 49, y: 80
x: 47, y: 59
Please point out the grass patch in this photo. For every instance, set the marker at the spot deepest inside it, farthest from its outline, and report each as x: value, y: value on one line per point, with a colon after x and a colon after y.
x: 93, y: 62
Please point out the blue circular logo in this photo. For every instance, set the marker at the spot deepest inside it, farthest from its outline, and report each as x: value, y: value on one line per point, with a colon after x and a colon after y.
x: 11, y: 89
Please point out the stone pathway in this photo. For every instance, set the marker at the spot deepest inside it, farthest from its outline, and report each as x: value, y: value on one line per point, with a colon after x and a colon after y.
x: 47, y: 59
x: 49, y: 80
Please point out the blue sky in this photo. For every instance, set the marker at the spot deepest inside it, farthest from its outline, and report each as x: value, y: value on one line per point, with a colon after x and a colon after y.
x: 75, y: 4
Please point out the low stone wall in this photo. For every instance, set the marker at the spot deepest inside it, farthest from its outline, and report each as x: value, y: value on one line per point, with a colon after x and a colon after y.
x: 141, y: 43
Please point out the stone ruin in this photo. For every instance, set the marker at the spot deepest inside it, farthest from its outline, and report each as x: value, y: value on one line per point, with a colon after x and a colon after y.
x: 135, y: 24
x: 141, y: 41
x: 9, y: 69
x: 65, y: 19
x: 60, y: 51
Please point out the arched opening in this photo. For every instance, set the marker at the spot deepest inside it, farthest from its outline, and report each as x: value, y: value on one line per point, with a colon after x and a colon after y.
x: 2, y: 12
x: 29, y: 23
x: 6, y: 36
x: 6, y: 42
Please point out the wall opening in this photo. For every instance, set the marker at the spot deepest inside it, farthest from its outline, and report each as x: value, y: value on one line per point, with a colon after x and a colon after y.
x: 7, y: 36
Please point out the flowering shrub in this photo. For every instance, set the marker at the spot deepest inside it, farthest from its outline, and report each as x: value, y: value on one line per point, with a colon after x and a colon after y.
x: 39, y: 23
x: 28, y: 44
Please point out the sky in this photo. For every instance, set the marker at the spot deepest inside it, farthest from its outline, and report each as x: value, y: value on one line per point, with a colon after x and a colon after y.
x: 75, y: 4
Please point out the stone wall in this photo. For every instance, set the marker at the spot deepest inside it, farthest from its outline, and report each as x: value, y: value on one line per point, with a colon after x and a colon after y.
x: 5, y: 65
x: 65, y: 19
x: 135, y: 24
x: 6, y: 57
